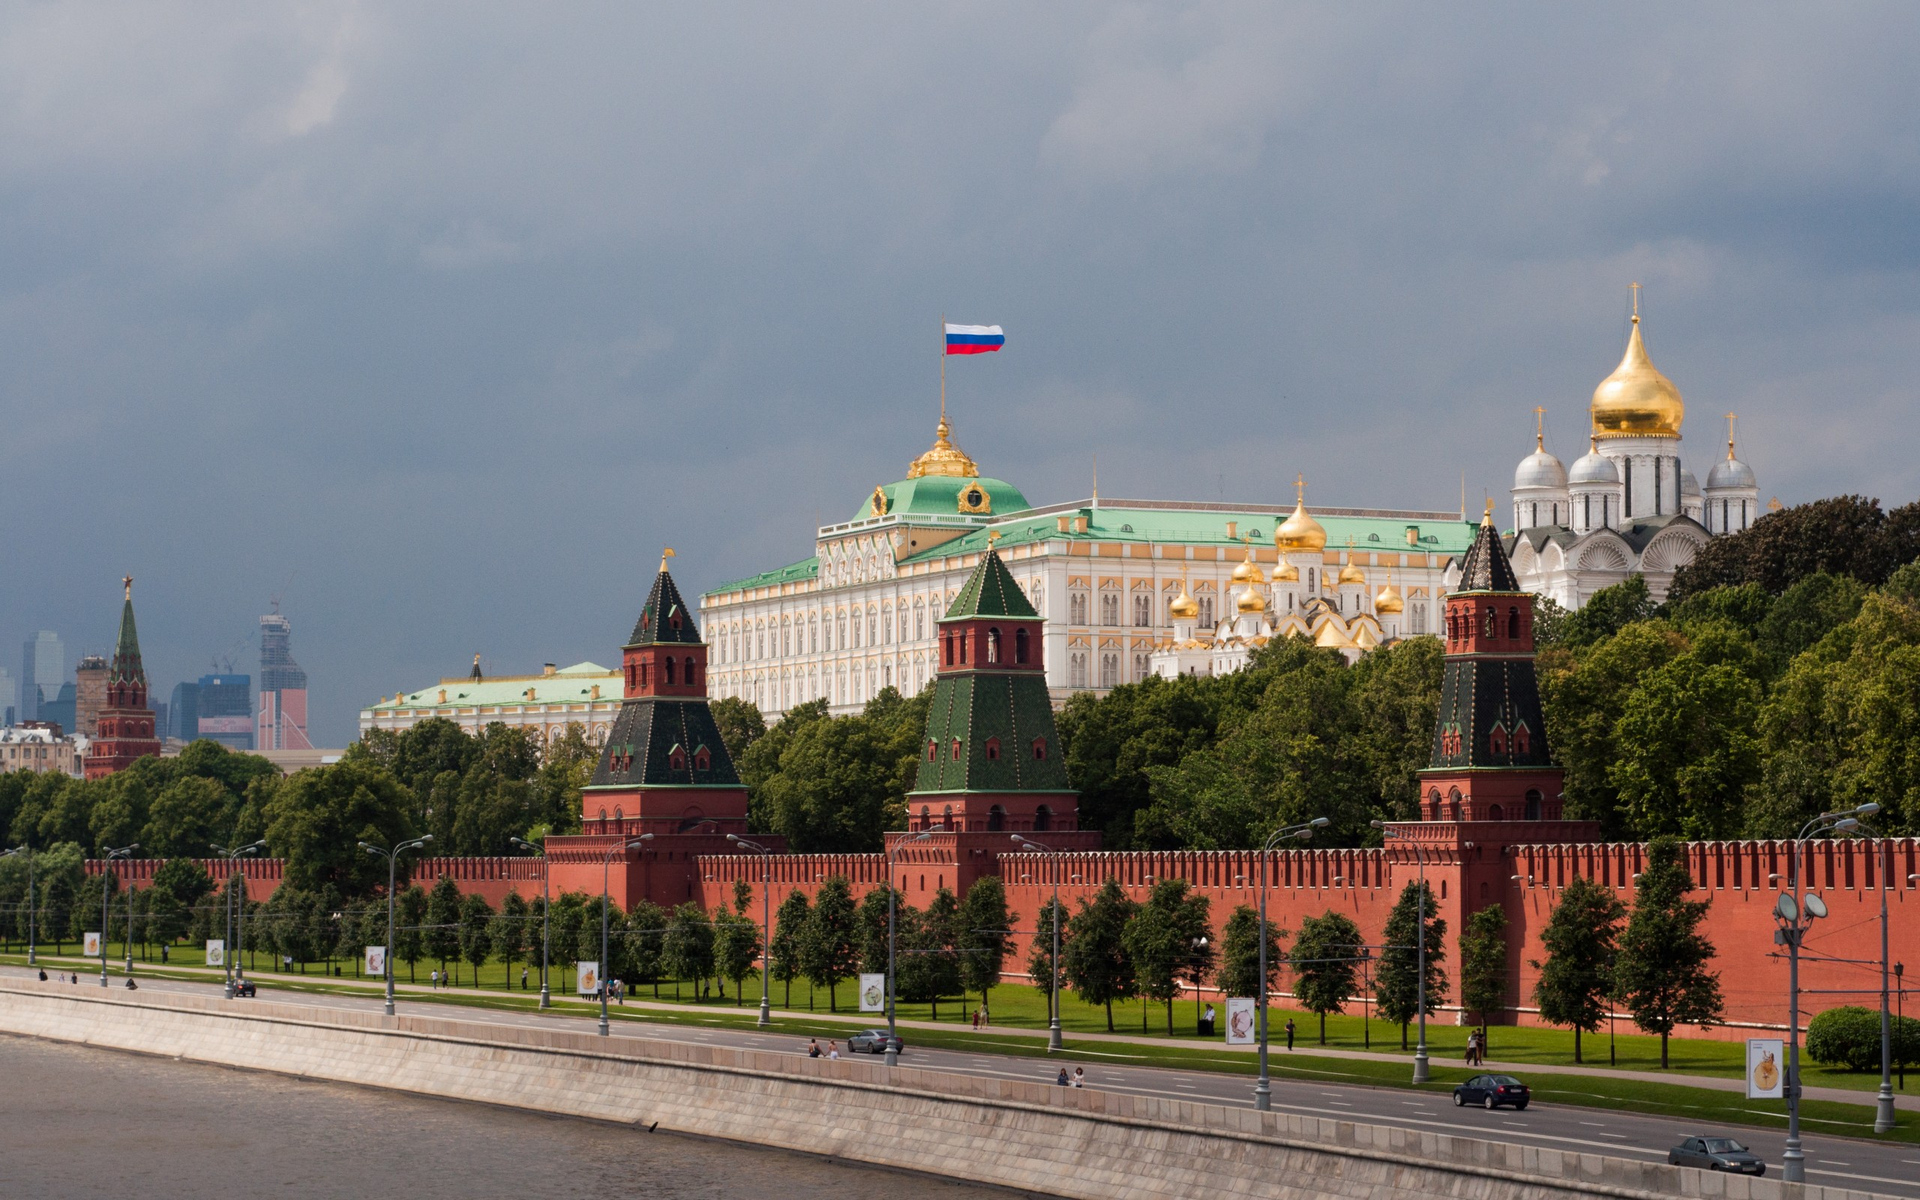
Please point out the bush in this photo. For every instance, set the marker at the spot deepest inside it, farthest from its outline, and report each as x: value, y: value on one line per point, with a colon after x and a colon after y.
x: 1850, y: 1037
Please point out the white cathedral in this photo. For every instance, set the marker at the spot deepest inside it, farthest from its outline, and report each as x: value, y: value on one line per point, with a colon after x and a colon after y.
x: 1627, y: 507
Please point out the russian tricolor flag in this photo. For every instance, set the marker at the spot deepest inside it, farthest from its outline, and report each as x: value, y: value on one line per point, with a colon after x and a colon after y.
x: 974, y: 339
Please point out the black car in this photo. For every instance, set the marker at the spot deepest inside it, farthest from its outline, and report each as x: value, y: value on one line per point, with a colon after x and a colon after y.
x: 1491, y: 1091
x: 1716, y: 1154
x: 243, y: 987
x: 873, y: 1041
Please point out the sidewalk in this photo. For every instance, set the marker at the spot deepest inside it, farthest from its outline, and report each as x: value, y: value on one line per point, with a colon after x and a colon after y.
x: 1902, y: 1100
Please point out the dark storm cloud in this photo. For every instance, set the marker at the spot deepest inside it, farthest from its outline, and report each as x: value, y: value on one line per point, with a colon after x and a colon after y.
x: 461, y: 313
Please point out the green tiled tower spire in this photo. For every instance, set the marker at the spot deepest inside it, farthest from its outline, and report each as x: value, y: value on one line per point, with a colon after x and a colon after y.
x: 991, y: 757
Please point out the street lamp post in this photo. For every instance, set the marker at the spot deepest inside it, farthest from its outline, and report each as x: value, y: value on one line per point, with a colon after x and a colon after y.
x: 106, y: 877
x: 1053, y: 1003
x: 1795, y: 914
x: 1883, y: 1103
x: 232, y: 870
x: 893, y: 1047
x: 546, y: 905
x: 1900, y: 999
x: 392, y: 856
x: 1263, y: 1089
x: 1420, y: 939
x: 32, y: 958
x: 766, y: 923
x: 606, y: 888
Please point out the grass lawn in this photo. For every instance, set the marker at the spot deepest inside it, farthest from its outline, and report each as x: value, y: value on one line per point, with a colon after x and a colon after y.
x: 1022, y: 1006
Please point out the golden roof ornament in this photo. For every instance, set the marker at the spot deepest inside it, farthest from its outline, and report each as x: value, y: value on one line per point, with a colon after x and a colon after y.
x: 1300, y: 531
x: 664, y: 556
x: 1637, y: 400
x: 1249, y: 601
x: 1387, y: 600
x: 943, y: 458
x: 1285, y: 572
x: 1248, y: 571
x: 1351, y: 572
x: 1184, y: 607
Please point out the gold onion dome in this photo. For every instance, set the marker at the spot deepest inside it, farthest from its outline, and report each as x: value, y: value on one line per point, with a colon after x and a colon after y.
x: 1248, y: 571
x: 1286, y: 572
x: 1300, y: 531
x: 1387, y: 600
x: 1249, y: 601
x: 943, y: 458
x: 1184, y: 607
x: 1637, y: 400
x: 1351, y: 573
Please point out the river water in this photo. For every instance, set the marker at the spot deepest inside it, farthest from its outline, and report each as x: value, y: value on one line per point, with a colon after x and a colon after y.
x: 76, y: 1121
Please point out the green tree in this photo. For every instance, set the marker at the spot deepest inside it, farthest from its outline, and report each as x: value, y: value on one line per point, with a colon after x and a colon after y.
x: 840, y: 783
x: 736, y: 949
x: 187, y: 816
x: 409, y: 939
x: 1841, y: 535
x: 477, y: 932
x: 827, y: 951
x: 1396, y: 981
x: 983, y: 936
x: 1239, y: 973
x: 508, y: 933
x: 1395, y: 696
x: 1687, y: 751
x: 646, y: 943
x: 1581, y: 939
x: 1093, y: 956
x: 1661, y: 972
x: 936, y: 961
x: 1483, y: 964
x: 1112, y: 741
x: 1607, y: 612
x: 1162, y: 938
x: 443, y: 922
x: 740, y: 723
x: 1325, y: 974
x: 870, y: 936
x: 690, y: 946
x: 1584, y: 699
x: 1040, y: 964
x: 317, y: 817
x: 179, y: 885
x: 565, y: 769
x: 790, y: 923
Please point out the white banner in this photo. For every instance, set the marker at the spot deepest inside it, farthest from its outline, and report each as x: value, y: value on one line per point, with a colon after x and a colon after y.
x: 586, y: 978
x: 1243, y: 1026
x: 873, y: 993
x: 91, y: 945
x: 377, y: 961
x: 1766, y: 1069
x: 216, y: 952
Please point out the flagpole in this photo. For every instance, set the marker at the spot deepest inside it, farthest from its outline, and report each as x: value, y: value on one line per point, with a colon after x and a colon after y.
x: 943, y: 368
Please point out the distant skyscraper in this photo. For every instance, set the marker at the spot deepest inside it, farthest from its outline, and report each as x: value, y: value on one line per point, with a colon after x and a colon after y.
x: 282, y: 714
x: 56, y: 708
x: 43, y: 668
x: 183, y: 712
x: 90, y: 694
x: 9, y: 697
x: 226, y: 710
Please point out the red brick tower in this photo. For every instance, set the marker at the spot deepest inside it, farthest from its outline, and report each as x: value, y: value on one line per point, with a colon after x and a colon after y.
x: 125, y: 727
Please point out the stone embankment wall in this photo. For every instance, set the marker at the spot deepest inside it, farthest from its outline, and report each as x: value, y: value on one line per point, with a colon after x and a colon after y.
x: 1029, y: 1136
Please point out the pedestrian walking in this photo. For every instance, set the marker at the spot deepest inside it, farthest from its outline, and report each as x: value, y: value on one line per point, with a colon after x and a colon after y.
x: 1063, y: 1081
x: 1079, y: 1077
x: 163, y: 953
x: 434, y: 976
x: 43, y: 974
x: 833, y: 1049
x: 1289, y: 1033
x: 523, y: 979
x: 813, y: 1048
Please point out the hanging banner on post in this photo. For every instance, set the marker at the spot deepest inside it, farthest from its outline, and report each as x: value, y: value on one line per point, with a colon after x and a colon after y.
x: 216, y: 952
x: 1766, y: 1080
x: 377, y: 961
x: 1242, y: 1026
x: 586, y: 978
x: 90, y: 945
x: 873, y: 993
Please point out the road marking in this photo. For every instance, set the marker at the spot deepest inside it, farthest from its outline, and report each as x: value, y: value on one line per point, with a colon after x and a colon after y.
x: 1829, y: 1162
x: 1594, y: 1124
x: 1516, y: 1124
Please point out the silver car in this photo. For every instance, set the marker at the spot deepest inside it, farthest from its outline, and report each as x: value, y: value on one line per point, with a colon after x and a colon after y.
x: 1716, y: 1154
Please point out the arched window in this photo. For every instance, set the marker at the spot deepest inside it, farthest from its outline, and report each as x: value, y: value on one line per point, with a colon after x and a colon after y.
x: 947, y: 644
x: 1522, y: 739
x: 956, y: 750
x: 1453, y: 805
x: 1042, y: 819
x: 993, y: 749
x: 1433, y: 805
x: 1495, y: 814
x: 1020, y: 646
x: 946, y: 822
x: 996, y: 819
x: 933, y: 748
x: 963, y: 647
x: 926, y: 816
x: 1533, y: 804
x: 669, y: 664
x: 873, y: 627
x: 677, y: 759
x: 703, y: 759
x: 689, y: 676
x: 1497, y: 740
x: 1513, y: 623
x: 1039, y: 749
x: 1489, y: 623
x: 993, y: 645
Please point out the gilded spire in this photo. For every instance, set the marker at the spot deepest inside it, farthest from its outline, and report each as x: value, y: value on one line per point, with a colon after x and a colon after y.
x: 943, y: 458
x: 1539, y: 429
x: 664, y: 556
x: 1486, y: 521
x: 1730, y: 420
x: 1637, y: 400
x: 1300, y: 531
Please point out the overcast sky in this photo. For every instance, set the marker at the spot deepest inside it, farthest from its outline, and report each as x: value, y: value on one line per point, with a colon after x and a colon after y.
x: 444, y: 319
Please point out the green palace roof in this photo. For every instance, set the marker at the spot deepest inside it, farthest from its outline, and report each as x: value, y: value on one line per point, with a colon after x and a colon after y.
x: 946, y: 495
x: 573, y: 685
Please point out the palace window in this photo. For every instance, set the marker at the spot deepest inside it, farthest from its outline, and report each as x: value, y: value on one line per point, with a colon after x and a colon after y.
x: 1109, y: 670
x: 1109, y: 609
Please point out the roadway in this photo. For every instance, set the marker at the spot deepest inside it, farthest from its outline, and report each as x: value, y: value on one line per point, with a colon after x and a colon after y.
x: 1892, y: 1168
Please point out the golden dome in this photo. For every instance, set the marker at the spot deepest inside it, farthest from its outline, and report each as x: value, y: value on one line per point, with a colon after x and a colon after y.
x: 1250, y: 601
x: 1363, y: 636
x: 1637, y: 400
x: 944, y: 458
x: 1286, y: 572
x: 1351, y: 574
x: 1248, y: 571
x: 1300, y: 531
x: 1184, y: 606
x: 1387, y: 600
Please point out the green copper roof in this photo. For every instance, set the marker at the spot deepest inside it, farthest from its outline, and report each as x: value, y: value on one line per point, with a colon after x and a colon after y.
x: 943, y: 494
x: 1386, y: 535
x: 990, y: 592
x: 126, y: 652
x: 805, y: 569
x: 574, y: 685
x: 665, y: 618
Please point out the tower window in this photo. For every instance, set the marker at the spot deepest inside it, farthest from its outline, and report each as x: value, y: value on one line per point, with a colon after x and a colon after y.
x: 1522, y: 740
x: 1513, y: 623
x: 993, y: 645
x: 956, y: 749
x: 993, y: 749
x: 669, y: 665
x: 1039, y: 748
x: 1020, y: 646
x: 933, y: 748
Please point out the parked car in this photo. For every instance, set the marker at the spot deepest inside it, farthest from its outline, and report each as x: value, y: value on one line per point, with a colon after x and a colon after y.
x: 243, y: 987
x: 1491, y: 1091
x: 1716, y: 1154
x: 873, y: 1041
